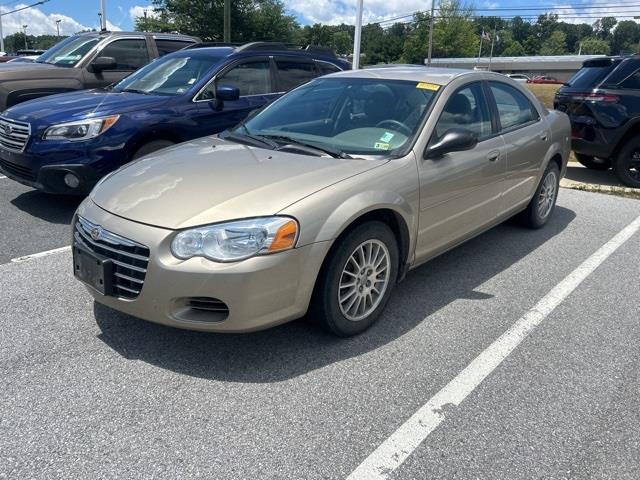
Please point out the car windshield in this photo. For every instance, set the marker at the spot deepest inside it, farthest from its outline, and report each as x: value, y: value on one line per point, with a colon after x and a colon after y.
x: 169, y: 75
x: 70, y: 51
x: 347, y: 115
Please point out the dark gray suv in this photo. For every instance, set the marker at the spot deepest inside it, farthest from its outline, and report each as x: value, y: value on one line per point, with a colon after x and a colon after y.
x: 87, y: 60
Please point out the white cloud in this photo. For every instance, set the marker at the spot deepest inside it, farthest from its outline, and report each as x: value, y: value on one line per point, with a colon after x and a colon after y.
x: 138, y: 11
x: 38, y: 22
x: 338, y: 11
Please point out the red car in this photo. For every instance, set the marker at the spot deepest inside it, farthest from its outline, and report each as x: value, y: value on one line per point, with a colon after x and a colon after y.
x: 544, y: 79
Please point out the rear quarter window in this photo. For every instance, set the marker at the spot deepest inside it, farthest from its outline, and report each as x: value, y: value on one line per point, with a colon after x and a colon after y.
x: 170, y: 46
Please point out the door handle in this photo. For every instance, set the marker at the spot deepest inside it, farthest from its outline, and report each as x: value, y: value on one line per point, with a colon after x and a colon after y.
x: 493, y: 155
x: 544, y: 137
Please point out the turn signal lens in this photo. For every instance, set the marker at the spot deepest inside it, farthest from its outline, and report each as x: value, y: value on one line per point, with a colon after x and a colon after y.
x: 285, y: 237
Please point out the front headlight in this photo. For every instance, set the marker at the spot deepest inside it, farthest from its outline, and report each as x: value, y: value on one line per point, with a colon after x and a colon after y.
x: 233, y: 241
x: 80, y: 130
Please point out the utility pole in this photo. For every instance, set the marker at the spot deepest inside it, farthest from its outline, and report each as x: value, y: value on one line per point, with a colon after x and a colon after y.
x: 357, y: 37
x: 103, y: 16
x: 493, y: 39
x: 431, y: 22
x: 227, y: 21
x: 58, y: 28
x: 25, y: 36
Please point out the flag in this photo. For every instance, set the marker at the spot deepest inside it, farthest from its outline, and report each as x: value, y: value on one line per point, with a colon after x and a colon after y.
x: 486, y: 36
x: 497, y: 37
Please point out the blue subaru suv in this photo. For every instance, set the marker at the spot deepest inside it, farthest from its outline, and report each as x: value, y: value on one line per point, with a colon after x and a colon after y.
x: 65, y: 143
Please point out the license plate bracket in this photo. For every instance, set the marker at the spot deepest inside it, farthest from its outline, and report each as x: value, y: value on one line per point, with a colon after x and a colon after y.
x: 93, y: 269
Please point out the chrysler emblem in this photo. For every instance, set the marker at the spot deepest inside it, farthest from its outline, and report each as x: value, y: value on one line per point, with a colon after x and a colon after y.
x: 96, y: 233
x: 7, y: 129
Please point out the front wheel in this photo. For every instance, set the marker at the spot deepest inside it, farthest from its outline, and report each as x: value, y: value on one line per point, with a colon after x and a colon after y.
x: 593, y: 163
x: 627, y: 164
x: 357, y: 280
x: 541, y: 206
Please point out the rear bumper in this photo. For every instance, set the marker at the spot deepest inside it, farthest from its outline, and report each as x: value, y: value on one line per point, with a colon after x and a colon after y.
x: 593, y: 149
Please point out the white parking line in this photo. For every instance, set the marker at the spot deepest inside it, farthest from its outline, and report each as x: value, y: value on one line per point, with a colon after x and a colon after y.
x: 397, y: 448
x: 40, y: 254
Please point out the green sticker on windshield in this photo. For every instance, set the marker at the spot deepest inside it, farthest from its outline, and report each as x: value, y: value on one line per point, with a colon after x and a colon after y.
x: 381, y: 146
x: 386, y: 138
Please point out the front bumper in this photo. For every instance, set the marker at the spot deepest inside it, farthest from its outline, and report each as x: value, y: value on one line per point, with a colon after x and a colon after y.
x: 259, y: 292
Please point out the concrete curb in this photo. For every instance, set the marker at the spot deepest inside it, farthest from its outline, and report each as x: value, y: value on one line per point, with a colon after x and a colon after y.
x: 609, y: 190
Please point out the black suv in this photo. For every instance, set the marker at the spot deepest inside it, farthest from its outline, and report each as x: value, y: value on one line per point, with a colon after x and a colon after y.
x: 603, y: 102
x: 86, y: 60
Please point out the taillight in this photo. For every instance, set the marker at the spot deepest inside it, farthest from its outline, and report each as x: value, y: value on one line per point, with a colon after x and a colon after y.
x: 594, y: 97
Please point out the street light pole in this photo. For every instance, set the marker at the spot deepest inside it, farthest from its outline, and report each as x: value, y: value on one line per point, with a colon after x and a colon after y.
x: 103, y: 16
x: 1, y: 36
x: 58, y: 28
x: 25, y: 37
x: 227, y: 21
x: 431, y: 22
x: 357, y: 37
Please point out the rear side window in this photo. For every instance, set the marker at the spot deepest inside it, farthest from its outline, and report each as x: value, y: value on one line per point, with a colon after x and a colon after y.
x: 251, y: 78
x: 292, y: 74
x: 632, y: 82
x: 326, y: 68
x: 129, y: 54
x: 514, y: 108
x: 169, y: 46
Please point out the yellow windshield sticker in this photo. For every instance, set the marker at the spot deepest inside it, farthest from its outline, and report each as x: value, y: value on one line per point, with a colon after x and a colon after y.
x: 428, y: 86
x: 381, y: 146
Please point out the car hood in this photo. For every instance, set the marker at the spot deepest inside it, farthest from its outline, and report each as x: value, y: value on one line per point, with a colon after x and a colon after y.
x: 210, y: 180
x: 67, y: 107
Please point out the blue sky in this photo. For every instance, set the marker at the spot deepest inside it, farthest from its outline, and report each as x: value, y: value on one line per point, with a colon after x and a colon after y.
x: 79, y: 14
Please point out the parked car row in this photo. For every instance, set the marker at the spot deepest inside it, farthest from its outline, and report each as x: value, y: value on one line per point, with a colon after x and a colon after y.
x: 603, y: 102
x: 318, y: 203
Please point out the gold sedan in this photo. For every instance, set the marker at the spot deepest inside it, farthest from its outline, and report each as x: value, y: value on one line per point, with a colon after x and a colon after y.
x: 321, y: 202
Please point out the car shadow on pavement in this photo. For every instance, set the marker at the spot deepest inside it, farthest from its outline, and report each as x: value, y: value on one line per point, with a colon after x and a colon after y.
x: 578, y: 173
x: 298, y: 347
x: 45, y: 206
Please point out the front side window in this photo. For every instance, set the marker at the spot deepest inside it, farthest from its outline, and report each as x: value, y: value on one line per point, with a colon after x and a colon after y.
x: 293, y: 74
x: 352, y: 115
x: 173, y: 75
x: 467, y: 108
x: 514, y: 109
x: 70, y: 51
x: 130, y: 54
x: 251, y: 78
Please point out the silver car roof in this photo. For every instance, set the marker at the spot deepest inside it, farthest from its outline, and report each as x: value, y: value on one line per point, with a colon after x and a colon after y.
x: 439, y: 76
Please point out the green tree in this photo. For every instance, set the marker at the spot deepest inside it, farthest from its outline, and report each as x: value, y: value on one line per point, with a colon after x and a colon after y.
x: 342, y: 42
x: 625, y: 37
x: 556, y: 44
x: 454, y: 34
x: 416, y: 44
x: 595, y: 46
x: 603, y: 27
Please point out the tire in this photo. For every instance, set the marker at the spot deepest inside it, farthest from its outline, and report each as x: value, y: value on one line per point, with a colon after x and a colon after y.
x: 344, y: 320
x: 541, y: 206
x: 151, y: 147
x: 594, y: 163
x: 627, y: 164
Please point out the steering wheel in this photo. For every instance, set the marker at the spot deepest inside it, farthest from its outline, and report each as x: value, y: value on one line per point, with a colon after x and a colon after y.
x: 395, y: 125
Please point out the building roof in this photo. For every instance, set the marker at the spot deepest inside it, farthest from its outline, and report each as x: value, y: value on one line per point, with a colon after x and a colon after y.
x: 548, y: 62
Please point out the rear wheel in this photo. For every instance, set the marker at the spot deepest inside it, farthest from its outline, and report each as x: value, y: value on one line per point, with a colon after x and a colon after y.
x: 594, y: 163
x: 151, y: 147
x: 627, y: 164
x: 541, y: 206
x: 357, y: 280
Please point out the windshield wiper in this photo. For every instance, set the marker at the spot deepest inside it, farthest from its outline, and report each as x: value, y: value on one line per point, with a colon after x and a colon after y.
x: 256, y: 140
x: 334, y: 152
x: 135, y: 90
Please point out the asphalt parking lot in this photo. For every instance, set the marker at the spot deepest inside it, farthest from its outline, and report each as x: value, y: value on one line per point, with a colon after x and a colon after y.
x: 87, y: 392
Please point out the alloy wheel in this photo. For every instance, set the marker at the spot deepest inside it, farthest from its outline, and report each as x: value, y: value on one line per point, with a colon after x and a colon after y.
x: 547, y: 195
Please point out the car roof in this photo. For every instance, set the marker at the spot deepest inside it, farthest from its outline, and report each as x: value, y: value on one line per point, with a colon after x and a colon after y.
x: 233, y: 52
x: 417, y: 73
x: 105, y: 33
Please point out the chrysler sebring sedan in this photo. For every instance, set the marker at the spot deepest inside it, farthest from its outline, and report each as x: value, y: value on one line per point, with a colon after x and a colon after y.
x: 321, y: 202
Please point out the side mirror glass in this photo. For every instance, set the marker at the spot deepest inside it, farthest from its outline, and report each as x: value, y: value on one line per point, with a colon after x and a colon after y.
x: 227, y: 93
x: 453, y: 140
x: 103, y: 63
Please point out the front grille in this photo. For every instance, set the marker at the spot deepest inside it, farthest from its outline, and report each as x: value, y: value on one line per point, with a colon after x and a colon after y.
x: 18, y: 170
x: 130, y: 259
x: 14, y: 135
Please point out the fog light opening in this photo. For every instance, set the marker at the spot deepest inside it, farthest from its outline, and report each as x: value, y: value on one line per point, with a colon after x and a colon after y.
x: 71, y: 180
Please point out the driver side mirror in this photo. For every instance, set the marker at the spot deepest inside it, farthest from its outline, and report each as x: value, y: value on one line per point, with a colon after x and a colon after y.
x: 103, y: 63
x: 453, y: 140
x: 227, y: 93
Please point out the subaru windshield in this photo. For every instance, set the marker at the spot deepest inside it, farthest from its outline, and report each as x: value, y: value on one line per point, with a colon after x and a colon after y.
x: 70, y: 51
x: 169, y: 75
x: 346, y: 116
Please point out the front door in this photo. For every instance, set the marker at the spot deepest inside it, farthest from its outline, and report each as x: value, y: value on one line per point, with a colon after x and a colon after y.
x: 460, y: 191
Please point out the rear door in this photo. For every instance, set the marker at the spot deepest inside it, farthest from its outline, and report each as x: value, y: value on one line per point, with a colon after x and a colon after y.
x: 460, y: 192
x: 527, y: 138
x: 130, y: 54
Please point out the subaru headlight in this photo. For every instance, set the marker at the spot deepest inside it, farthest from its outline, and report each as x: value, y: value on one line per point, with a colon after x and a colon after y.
x: 80, y: 130
x: 238, y: 240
